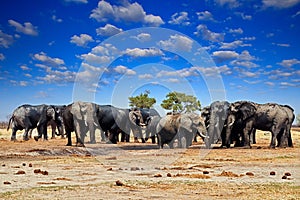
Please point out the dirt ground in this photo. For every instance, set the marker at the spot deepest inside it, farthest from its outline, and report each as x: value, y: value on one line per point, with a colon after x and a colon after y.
x: 51, y: 170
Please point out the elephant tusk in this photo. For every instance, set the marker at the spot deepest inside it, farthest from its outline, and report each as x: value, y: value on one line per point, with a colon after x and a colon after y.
x: 201, y: 135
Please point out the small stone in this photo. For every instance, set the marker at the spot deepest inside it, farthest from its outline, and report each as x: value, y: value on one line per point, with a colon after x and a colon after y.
x: 157, y: 175
x: 284, y: 177
x: 272, y: 173
x: 287, y: 174
x: 6, y: 183
x: 44, y: 173
x: 109, y: 169
x: 119, y: 183
x: 169, y: 175
x: 205, y: 172
x: 20, y: 172
x: 24, y: 164
x: 30, y: 165
x: 36, y: 171
x: 134, y: 168
x: 249, y: 174
x: 3, y: 165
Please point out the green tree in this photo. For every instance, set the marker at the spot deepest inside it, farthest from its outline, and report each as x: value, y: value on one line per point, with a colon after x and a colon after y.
x: 142, y: 101
x: 180, y: 102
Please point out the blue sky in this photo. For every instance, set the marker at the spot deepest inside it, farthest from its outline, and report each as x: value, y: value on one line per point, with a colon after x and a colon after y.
x: 58, y: 51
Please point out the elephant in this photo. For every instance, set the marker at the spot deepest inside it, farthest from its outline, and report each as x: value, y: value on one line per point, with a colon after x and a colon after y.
x: 80, y: 117
x: 286, y: 140
x: 152, y: 123
x: 266, y: 117
x: 215, y: 117
x: 33, y: 116
x: 117, y: 120
x: 183, y: 127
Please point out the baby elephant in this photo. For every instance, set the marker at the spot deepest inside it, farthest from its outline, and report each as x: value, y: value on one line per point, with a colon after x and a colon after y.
x: 183, y: 127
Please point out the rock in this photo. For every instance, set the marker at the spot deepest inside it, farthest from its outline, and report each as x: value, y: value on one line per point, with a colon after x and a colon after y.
x: 287, y: 174
x: 169, y: 175
x: 37, y: 171
x: 205, y: 172
x: 24, y: 164
x: 284, y: 177
x: 249, y: 174
x: 119, y: 183
x: 30, y: 165
x: 157, y: 175
x: 272, y: 173
x: 134, y: 168
x: 44, y: 173
x: 3, y: 165
x: 20, y: 172
x: 109, y: 169
x: 6, y: 183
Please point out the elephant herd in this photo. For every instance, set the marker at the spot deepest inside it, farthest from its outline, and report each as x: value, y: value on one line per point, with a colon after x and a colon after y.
x: 221, y: 121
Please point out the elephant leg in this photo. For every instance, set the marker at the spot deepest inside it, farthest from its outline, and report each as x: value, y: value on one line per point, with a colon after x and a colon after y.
x: 103, y: 136
x: 274, y: 137
x: 159, y: 142
x: 290, y: 141
x: 68, y: 133
x: 25, y: 135
x: 92, y: 136
x: 14, y: 134
x: 153, y: 139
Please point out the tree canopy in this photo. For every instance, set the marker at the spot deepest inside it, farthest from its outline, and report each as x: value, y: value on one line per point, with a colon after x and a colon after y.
x: 180, y: 102
x: 142, y: 101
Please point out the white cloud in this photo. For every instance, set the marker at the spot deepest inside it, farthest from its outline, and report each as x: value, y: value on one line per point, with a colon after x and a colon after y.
x: 180, y: 18
x: 232, y: 45
x: 229, y: 3
x: 221, y: 56
x: 95, y: 59
x: 143, y: 37
x: 289, y: 63
x: 297, y: 13
x: 269, y: 83
x: 238, y: 31
x: 127, y: 12
x: 54, y: 18
x: 145, y: 76
x: 203, y: 31
x: 286, y: 84
x: 108, y: 30
x: 280, y: 4
x: 124, y: 70
x: 81, y: 40
x: 137, y: 52
x: 47, y: 59
x: 2, y: 57
x: 25, y: 68
x: 205, y: 16
x: 77, y: 1
x: 246, y: 56
x: 5, y: 39
x: 27, y: 29
x: 177, y: 43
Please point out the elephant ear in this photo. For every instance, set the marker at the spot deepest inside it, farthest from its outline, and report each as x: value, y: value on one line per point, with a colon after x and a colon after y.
x: 135, y: 117
x: 75, y: 110
x: 247, y: 110
x: 185, y: 122
x: 50, y: 112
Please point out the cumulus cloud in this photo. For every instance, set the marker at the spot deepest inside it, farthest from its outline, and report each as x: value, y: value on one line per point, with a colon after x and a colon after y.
x: 221, y: 56
x: 124, y: 70
x: 145, y: 76
x: 42, y: 57
x: 77, y: 1
x: 180, y: 18
x: 2, y: 57
x: 5, y: 39
x: 279, y: 3
x: 177, y: 43
x: 108, y: 30
x: 24, y: 68
x: 205, y: 16
x: 206, y: 34
x: 137, y: 52
x: 289, y: 63
x: 81, y: 40
x: 232, y: 45
x: 127, y: 13
x: 143, y: 37
x: 54, y: 18
x: 228, y: 3
x: 95, y: 59
x: 236, y: 31
x: 27, y: 28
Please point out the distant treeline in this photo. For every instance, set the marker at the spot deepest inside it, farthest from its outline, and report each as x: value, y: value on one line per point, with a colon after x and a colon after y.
x: 3, y: 125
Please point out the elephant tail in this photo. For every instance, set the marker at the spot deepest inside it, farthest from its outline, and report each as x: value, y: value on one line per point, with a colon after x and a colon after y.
x: 9, y: 122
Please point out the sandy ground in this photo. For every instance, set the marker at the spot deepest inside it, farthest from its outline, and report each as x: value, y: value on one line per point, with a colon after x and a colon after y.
x: 50, y: 170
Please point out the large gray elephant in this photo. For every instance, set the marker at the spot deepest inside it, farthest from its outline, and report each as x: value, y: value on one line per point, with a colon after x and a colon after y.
x: 183, y: 127
x: 215, y: 117
x: 114, y: 121
x: 286, y: 140
x: 267, y: 117
x: 29, y: 117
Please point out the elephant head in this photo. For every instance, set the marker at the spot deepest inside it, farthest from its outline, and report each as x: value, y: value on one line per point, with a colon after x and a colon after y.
x: 135, y: 117
x: 193, y: 123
